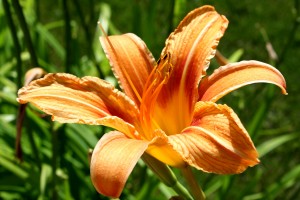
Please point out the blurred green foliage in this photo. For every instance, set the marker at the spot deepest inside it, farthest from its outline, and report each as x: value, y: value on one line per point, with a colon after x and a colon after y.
x: 64, y: 38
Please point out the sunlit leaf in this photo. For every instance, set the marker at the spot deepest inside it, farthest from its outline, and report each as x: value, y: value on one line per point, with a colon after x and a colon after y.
x: 274, y: 143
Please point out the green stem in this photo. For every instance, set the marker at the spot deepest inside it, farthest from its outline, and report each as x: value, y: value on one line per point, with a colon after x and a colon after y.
x: 34, y: 147
x: 17, y: 45
x: 182, y: 191
x: 88, y: 37
x: 54, y: 162
x: 68, y: 38
x: 83, y: 23
x: 171, y: 17
x: 27, y: 38
x: 179, y: 9
x: 166, y: 175
x: 194, y: 186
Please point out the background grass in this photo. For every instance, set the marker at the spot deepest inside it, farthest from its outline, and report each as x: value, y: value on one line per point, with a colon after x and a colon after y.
x: 62, y: 36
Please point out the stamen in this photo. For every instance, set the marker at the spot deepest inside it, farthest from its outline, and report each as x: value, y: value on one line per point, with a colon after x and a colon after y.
x: 157, y: 78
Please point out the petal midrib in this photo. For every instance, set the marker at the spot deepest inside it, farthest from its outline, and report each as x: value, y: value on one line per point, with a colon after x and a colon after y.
x: 222, y: 143
x: 131, y: 83
x: 186, y: 67
x: 192, y: 51
x: 74, y: 100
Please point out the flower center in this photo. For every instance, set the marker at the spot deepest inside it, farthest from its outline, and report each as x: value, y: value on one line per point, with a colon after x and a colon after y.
x: 157, y: 78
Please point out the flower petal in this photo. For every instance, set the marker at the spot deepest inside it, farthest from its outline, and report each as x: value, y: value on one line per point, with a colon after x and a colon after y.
x: 131, y: 62
x: 88, y: 100
x: 235, y: 75
x: 162, y: 150
x: 216, y: 141
x: 190, y: 46
x: 33, y: 74
x: 113, y: 159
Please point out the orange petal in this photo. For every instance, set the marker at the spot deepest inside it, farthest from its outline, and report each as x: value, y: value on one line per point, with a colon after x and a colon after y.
x: 131, y: 62
x: 33, y: 74
x: 235, y: 75
x: 216, y: 141
x: 190, y: 46
x: 162, y: 150
x: 113, y: 159
x: 88, y: 100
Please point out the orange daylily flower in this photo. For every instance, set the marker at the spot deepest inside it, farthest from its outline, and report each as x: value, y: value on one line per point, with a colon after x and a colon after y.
x: 162, y: 110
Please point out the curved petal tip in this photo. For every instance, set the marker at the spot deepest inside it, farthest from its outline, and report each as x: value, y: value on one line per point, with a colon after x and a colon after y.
x: 113, y: 159
x: 235, y: 75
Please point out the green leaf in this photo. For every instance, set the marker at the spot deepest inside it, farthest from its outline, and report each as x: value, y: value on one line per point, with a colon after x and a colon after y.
x: 274, y: 143
x: 46, y: 173
x: 236, y: 55
x: 287, y: 181
x: 52, y: 41
x: 86, y: 133
x: 12, y: 166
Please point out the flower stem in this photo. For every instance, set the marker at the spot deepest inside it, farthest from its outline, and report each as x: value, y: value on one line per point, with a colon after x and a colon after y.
x: 193, y: 184
x: 181, y: 191
x: 27, y: 38
x: 166, y: 175
x: 68, y: 37
x: 17, y: 45
x: 54, y: 162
